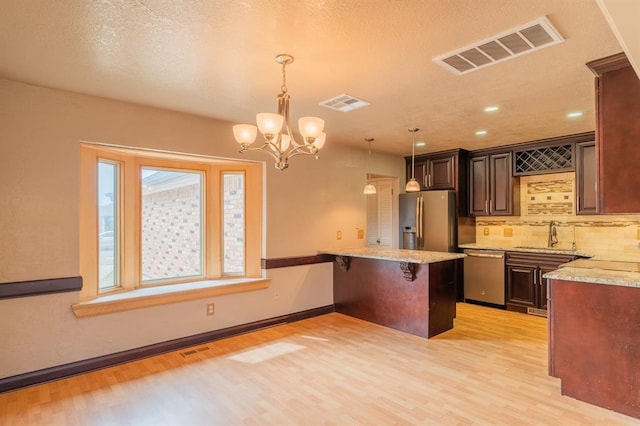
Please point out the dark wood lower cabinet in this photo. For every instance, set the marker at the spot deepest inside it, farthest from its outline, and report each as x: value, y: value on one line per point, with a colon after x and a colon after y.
x: 525, y: 286
x: 375, y: 290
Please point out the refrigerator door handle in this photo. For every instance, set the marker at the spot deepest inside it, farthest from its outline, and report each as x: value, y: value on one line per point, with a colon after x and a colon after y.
x: 417, y: 222
x: 420, y: 221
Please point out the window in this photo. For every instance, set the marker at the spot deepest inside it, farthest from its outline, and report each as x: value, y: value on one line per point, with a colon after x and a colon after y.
x: 149, y: 219
x: 108, y: 219
x: 172, y: 213
x: 233, y: 223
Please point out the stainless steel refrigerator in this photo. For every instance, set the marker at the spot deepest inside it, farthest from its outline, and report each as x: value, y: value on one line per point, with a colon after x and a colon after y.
x: 428, y: 221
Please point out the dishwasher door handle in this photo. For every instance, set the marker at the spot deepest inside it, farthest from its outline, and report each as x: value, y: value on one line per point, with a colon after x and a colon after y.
x: 490, y: 255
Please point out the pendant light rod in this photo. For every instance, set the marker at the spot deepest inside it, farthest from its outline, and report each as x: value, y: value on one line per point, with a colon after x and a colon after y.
x: 413, y: 185
x: 369, y: 189
x: 413, y: 131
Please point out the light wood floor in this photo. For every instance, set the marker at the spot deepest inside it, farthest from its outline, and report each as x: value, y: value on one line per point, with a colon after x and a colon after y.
x: 333, y: 369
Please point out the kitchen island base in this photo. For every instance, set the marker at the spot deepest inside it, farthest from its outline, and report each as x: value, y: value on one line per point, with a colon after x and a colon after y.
x: 417, y: 298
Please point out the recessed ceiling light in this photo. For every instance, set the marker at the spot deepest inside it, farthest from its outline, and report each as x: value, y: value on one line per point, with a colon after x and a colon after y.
x: 481, y: 132
x: 574, y: 114
x: 420, y: 144
x: 491, y: 108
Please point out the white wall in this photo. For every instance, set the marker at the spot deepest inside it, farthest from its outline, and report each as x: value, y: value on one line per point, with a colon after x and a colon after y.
x: 40, y: 130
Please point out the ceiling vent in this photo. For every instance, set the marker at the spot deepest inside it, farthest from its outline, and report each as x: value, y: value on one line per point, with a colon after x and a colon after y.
x: 509, y: 44
x: 344, y: 103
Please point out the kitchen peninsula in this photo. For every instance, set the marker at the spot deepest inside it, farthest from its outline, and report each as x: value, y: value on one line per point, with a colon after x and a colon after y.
x: 408, y: 290
x: 594, y: 332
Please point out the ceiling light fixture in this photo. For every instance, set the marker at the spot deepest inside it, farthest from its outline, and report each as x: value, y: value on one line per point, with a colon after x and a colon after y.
x: 420, y: 144
x: 575, y: 114
x: 279, y: 142
x: 413, y: 185
x: 492, y: 108
x: 481, y: 132
x: 369, y: 189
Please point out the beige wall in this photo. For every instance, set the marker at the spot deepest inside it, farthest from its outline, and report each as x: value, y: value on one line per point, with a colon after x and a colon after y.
x: 40, y: 131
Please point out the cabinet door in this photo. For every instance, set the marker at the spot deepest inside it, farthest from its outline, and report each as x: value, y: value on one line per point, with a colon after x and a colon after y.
x: 586, y: 201
x: 419, y: 172
x: 521, y: 287
x: 479, y: 186
x: 542, y: 286
x: 441, y: 173
x: 500, y: 184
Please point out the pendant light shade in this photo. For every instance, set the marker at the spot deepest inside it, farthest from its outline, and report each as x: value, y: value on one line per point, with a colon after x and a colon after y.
x: 369, y: 189
x: 413, y: 185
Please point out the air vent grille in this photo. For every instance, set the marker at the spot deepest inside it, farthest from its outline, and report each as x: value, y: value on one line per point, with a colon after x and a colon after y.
x: 344, y: 103
x: 509, y: 44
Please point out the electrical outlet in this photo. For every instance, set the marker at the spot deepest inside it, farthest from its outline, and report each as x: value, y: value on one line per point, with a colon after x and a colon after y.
x: 211, y: 309
x: 339, y: 235
x: 485, y: 231
x: 360, y: 234
x: 508, y: 232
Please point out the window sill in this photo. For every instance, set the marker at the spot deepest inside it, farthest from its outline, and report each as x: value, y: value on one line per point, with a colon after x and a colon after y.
x: 162, y: 295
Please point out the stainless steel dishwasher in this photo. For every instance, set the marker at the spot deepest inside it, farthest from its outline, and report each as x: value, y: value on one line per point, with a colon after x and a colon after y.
x: 484, y: 277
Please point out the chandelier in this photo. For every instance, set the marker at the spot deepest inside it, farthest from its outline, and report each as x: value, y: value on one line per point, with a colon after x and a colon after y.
x: 279, y: 142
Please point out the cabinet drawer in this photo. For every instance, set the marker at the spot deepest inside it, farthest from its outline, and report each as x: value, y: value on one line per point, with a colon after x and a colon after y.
x: 526, y: 258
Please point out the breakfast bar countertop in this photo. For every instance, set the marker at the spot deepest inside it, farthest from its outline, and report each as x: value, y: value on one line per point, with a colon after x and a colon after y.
x: 625, y: 274
x: 398, y: 255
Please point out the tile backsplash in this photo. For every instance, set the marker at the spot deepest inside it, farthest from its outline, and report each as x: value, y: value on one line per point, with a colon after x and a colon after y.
x: 551, y: 197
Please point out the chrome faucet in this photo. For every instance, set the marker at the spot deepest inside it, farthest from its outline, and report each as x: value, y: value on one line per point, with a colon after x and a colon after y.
x: 553, y: 236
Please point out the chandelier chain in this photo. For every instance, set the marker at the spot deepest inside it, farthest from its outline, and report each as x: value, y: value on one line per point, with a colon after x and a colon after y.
x: 283, y: 88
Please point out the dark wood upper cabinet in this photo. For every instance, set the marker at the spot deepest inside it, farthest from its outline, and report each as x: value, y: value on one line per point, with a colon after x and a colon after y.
x: 443, y: 170
x: 491, y: 185
x: 586, y: 198
x: 617, y: 134
x: 479, y: 186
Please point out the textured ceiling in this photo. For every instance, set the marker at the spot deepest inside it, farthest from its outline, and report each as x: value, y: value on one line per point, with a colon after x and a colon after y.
x: 215, y: 58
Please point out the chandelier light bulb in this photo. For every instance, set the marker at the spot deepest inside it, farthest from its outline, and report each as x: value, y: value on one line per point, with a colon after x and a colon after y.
x: 269, y: 123
x: 320, y: 140
x: 245, y: 134
x: 310, y: 127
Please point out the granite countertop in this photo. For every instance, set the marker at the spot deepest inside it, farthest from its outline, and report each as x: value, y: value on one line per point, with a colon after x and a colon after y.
x: 398, y: 255
x: 625, y: 274
x: 543, y: 250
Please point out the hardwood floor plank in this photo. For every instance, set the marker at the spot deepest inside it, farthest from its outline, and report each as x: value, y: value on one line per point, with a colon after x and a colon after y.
x: 331, y: 370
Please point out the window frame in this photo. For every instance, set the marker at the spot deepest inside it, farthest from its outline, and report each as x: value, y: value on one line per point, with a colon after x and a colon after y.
x: 131, y: 161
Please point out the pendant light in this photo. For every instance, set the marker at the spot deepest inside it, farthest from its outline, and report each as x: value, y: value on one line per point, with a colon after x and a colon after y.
x: 369, y: 189
x: 413, y: 185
